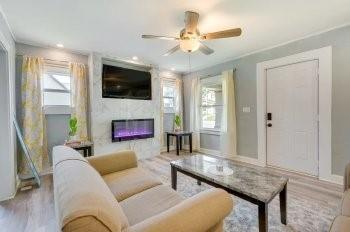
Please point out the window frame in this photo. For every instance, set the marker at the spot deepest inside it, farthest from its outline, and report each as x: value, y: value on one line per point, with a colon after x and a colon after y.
x: 169, y: 110
x: 205, y: 82
x: 56, y: 69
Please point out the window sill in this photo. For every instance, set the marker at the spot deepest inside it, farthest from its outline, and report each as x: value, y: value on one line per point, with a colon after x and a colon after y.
x: 210, y: 132
x: 57, y: 110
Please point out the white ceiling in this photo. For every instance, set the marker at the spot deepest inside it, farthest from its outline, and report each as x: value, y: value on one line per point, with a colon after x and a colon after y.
x: 115, y: 27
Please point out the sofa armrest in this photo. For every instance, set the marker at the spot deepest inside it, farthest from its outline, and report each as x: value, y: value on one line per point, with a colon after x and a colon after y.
x: 113, y: 162
x: 347, y: 177
x: 198, y: 213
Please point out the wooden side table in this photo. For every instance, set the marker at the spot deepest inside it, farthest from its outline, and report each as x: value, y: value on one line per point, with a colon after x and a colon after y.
x: 85, y: 146
x: 178, y: 136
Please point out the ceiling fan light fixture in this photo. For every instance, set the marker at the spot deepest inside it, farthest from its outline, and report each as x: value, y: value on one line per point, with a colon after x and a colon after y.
x: 189, y: 45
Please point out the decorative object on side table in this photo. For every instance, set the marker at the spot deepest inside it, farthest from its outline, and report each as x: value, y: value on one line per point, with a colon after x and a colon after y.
x: 74, y: 142
x: 73, y: 127
x: 177, y: 122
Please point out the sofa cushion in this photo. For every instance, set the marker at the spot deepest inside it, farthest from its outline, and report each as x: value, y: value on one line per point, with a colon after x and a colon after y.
x: 113, y: 162
x: 80, y: 192
x: 149, y: 203
x: 340, y: 224
x: 131, y: 181
x: 345, y: 207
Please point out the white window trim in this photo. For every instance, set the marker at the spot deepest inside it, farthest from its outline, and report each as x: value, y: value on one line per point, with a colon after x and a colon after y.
x: 204, y: 82
x: 324, y: 56
x: 170, y: 84
x: 50, y: 68
x: 57, y: 109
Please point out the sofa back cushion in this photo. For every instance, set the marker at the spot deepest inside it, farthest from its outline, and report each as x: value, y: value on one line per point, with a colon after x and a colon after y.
x: 81, y: 195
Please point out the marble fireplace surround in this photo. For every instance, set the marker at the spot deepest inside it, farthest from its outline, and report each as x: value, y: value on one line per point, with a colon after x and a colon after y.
x: 104, y: 110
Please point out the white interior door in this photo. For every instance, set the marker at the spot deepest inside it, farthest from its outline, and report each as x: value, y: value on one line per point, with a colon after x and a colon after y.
x: 292, y: 100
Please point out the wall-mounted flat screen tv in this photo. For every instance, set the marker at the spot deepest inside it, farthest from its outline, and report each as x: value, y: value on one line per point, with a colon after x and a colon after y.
x: 119, y: 82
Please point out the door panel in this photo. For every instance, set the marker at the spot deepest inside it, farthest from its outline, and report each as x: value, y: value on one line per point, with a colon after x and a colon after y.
x: 292, y: 98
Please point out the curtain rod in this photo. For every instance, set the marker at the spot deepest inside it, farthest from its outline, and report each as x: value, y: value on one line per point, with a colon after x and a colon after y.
x: 47, y: 59
x: 213, y: 75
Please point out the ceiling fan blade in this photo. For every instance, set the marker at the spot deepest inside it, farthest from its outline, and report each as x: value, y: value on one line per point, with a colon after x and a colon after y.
x: 159, y: 37
x: 191, y: 21
x: 222, y: 34
x: 171, y: 51
x: 205, y: 49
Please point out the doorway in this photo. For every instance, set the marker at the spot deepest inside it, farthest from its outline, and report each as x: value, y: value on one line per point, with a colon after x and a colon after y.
x: 324, y: 133
x: 292, y: 117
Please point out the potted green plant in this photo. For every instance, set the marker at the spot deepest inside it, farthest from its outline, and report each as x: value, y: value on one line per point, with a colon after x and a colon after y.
x: 73, y: 127
x: 177, y: 122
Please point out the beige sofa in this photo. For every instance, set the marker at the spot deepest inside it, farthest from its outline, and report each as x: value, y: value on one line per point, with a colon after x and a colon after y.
x: 111, y: 193
x: 342, y: 222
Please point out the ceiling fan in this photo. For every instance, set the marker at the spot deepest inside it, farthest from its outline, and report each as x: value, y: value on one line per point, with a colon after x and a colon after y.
x: 191, y: 39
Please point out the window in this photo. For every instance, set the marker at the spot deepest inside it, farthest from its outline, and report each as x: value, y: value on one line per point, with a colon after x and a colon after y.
x: 211, y: 103
x: 169, y: 98
x: 56, y: 87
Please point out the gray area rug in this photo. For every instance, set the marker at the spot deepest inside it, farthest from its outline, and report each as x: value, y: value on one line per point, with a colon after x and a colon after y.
x: 305, y: 213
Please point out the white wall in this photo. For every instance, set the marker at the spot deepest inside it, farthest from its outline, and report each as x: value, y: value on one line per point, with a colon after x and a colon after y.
x: 7, y: 106
x: 104, y: 110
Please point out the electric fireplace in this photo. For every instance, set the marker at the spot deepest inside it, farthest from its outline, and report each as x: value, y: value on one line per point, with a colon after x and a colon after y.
x: 130, y: 129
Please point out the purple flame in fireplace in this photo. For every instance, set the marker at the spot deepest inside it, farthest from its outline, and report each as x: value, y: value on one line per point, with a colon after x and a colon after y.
x: 123, y: 130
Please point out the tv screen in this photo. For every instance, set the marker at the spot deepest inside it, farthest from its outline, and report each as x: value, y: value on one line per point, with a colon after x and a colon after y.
x: 118, y: 82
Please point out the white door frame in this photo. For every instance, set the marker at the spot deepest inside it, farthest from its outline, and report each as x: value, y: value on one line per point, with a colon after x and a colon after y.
x: 324, y: 57
x: 7, y: 156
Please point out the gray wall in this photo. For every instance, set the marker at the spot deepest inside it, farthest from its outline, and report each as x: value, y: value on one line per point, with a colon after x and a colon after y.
x: 245, y: 82
x: 57, y: 124
x: 168, y: 125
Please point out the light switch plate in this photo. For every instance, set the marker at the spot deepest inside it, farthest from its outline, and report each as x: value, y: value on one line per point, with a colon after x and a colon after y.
x: 246, y: 109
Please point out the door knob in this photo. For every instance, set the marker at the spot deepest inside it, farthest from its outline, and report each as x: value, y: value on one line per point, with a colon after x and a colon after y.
x: 269, y: 125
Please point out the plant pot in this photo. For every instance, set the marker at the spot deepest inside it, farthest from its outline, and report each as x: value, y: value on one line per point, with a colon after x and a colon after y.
x: 73, y: 138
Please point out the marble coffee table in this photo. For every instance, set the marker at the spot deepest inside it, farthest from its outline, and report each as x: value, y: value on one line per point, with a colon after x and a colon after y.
x: 255, y: 185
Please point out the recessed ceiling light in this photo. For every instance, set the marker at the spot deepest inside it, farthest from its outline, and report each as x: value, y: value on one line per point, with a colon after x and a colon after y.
x: 59, y: 45
x: 135, y: 58
x: 172, y: 69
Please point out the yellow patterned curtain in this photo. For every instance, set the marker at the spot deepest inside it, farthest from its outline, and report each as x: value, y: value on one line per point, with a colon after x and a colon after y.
x: 33, y: 116
x: 78, y: 73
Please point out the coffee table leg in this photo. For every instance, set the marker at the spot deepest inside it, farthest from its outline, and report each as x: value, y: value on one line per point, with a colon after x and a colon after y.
x: 199, y: 182
x: 173, y: 177
x: 263, y: 216
x: 283, y: 205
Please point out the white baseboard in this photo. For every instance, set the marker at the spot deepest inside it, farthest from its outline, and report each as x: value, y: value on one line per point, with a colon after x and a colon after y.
x: 239, y: 158
x: 335, y: 179
x: 210, y: 152
x: 248, y: 160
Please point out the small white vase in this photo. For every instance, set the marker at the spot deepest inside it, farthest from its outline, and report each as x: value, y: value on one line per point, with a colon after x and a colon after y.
x: 73, y: 138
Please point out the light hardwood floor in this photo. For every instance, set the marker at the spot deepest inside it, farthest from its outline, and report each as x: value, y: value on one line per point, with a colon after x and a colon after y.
x: 33, y: 210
